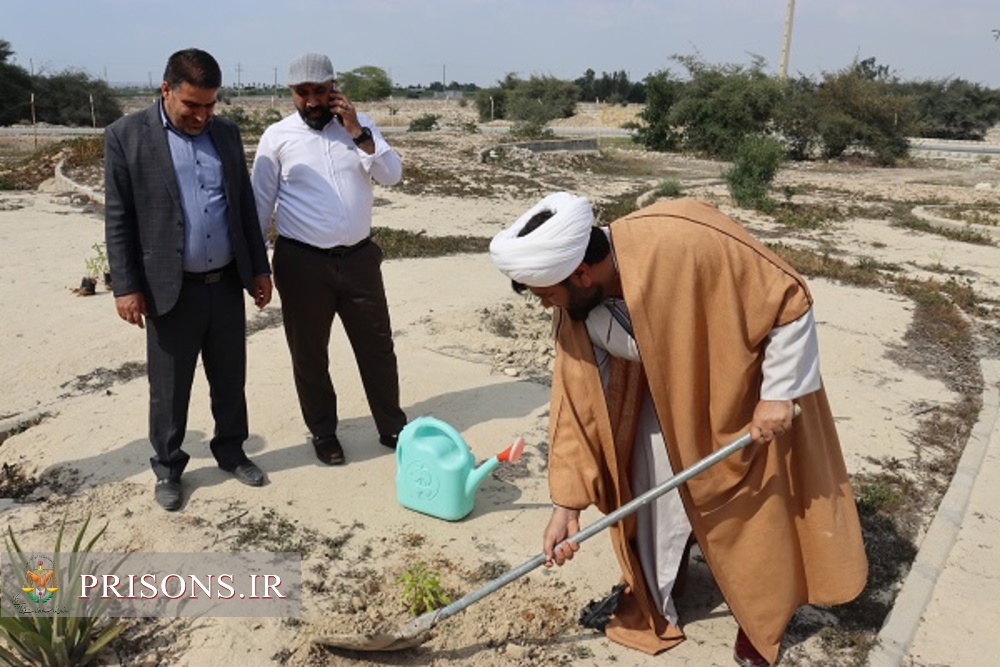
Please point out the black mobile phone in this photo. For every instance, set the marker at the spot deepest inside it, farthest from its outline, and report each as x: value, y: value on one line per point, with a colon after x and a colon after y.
x: 340, y: 120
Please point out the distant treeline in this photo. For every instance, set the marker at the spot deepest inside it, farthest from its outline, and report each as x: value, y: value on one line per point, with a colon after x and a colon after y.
x: 706, y: 108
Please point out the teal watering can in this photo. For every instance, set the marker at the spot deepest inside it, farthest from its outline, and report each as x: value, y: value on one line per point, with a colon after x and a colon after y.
x: 436, y: 471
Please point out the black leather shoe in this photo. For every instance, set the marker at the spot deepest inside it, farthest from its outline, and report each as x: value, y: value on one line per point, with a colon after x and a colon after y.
x: 248, y: 473
x: 168, y: 494
x: 389, y: 440
x: 745, y: 654
x: 328, y: 449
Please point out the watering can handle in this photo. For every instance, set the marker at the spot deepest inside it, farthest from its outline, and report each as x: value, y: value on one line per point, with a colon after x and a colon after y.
x: 420, y: 426
x: 435, y: 425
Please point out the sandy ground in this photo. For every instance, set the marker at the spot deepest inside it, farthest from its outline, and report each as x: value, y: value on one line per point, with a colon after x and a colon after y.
x: 68, y: 363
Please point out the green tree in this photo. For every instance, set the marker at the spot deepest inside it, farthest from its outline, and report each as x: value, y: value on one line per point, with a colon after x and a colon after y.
x: 15, y: 88
x: 65, y: 99
x: 797, y: 118
x: 586, y: 85
x: 491, y: 103
x: 723, y: 104
x: 614, y: 88
x: 366, y: 84
x: 654, y: 130
x: 953, y: 108
x: 862, y: 106
x: 541, y: 99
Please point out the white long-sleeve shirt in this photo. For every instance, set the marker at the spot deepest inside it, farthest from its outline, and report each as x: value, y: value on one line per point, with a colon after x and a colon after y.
x: 791, y: 357
x: 317, y: 184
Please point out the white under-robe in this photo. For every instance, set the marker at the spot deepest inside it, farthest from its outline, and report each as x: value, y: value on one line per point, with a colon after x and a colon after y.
x: 790, y: 370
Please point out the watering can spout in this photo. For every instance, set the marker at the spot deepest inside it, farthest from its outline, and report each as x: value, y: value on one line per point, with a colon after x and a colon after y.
x: 476, y: 476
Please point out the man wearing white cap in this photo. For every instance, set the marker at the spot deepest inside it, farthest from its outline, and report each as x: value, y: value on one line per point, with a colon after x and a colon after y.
x: 676, y: 332
x: 313, y: 173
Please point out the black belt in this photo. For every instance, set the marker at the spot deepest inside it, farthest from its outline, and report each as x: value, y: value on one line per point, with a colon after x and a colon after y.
x: 335, y: 251
x: 207, y: 277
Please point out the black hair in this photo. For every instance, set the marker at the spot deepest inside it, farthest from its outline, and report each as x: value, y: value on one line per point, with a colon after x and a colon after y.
x: 192, y: 66
x: 598, y: 246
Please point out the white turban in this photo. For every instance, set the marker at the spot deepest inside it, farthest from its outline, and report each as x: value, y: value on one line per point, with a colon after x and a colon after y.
x: 550, y: 253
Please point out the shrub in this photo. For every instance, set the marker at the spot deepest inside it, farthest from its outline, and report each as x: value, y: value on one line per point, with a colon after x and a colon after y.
x: 537, y: 100
x: 251, y: 123
x: 531, y: 130
x: 85, y: 152
x: 669, y: 189
x: 425, y: 123
x: 757, y: 161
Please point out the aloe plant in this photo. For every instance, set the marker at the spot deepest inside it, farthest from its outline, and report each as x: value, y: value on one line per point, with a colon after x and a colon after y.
x: 71, y: 640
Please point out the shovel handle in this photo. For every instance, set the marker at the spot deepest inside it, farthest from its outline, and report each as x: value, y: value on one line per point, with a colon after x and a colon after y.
x: 668, y: 485
x: 431, y: 618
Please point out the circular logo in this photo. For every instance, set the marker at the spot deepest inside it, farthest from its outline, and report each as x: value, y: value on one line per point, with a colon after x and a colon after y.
x: 422, y: 480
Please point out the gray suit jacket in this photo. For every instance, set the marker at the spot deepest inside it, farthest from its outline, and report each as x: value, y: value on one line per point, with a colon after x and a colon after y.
x: 144, y: 221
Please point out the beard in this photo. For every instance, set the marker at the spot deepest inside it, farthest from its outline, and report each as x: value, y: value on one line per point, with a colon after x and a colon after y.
x: 582, y: 301
x: 316, y: 117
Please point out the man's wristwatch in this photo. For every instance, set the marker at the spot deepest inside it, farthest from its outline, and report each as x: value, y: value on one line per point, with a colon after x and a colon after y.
x: 366, y: 135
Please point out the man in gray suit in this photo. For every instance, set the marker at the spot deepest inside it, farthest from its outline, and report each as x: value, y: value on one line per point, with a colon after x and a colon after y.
x: 183, y: 243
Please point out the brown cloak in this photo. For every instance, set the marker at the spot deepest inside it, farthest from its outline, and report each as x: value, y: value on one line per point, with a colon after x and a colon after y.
x: 776, y: 523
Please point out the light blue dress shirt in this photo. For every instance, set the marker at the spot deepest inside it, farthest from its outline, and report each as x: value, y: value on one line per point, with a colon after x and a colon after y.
x: 207, y: 246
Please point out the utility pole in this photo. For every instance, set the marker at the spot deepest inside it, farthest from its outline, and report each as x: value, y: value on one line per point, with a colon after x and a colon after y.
x: 34, y: 125
x: 787, y: 42
x: 239, y: 72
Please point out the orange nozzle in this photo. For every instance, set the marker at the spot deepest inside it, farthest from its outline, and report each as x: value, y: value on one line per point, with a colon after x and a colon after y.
x: 512, y: 453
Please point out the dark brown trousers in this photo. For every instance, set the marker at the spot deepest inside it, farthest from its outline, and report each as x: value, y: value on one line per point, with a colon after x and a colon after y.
x: 315, y: 286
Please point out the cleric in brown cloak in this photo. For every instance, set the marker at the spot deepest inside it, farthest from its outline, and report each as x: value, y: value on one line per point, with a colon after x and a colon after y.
x: 676, y: 332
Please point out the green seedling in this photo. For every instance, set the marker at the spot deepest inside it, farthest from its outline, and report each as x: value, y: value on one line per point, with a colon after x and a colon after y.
x: 422, y: 590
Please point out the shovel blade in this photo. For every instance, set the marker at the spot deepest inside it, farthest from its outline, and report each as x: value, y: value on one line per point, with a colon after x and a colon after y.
x: 414, y: 633
x: 382, y: 641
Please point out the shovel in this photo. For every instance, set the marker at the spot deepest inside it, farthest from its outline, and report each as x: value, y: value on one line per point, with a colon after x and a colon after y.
x: 417, y: 631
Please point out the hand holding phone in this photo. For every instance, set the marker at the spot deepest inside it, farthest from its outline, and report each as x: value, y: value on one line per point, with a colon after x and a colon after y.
x: 336, y: 101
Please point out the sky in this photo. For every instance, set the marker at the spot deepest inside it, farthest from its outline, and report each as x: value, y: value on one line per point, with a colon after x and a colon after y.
x: 481, y: 41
